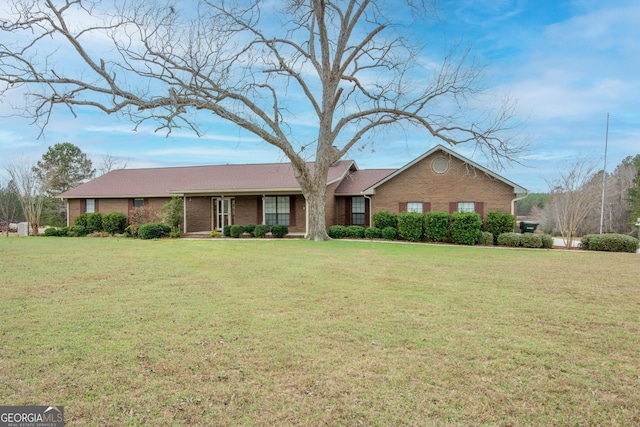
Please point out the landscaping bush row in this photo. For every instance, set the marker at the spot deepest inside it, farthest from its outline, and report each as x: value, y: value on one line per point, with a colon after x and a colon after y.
x: 610, y: 243
x: 92, y: 223
x: 254, y: 230
x: 525, y: 240
x: 464, y: 228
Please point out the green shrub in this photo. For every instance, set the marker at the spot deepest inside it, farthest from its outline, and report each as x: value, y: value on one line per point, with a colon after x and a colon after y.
x: 226, y: 231
x: 411, y: 226
x: 79, y: 231
x: 610, y: 243
x: 389, y: 233
x: 509, y: 239
x: 114, y: 223
x: 250, y: 228
x: 81, y: 220
x: 51, y: 232
x: 214, y: 233
x: 132, y: 230
x: 172, y: 213
x: 497, y: 223
x: 94, y: 222
x: 547, y: 241
x: 65, y: 231
x: 279, y: 230
x: 236, y: 231
x: 261, y: 230
x: 355, y: 232
x: 337, y: 231
x: 485, y: 238
x: 530, y: 240
x: 437, y: 226
x: 373, y: 233
x: 383, y: 219
x: 465, y: 228
x: 154, y: 230
x: 175, y: 233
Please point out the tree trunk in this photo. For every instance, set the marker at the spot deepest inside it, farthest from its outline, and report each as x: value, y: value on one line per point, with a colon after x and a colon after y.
x: 316, y: 227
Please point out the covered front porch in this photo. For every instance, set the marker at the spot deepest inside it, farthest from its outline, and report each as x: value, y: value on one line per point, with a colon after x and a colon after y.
x: 204, y: 213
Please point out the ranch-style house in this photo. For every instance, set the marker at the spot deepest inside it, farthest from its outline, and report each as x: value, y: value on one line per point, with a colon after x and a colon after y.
x: 215, y: 196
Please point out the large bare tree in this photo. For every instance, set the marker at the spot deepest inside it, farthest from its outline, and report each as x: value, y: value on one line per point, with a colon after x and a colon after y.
x: 262, y: 65
x: 31, y: 191
x: 574, y: 194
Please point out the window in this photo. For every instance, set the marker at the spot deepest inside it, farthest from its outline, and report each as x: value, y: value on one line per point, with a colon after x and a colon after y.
x: 276, y: 210
x: 138, y: 203
x: 414, y: 207
x: 91, y: 206
x: 440, y: 165
x: 466, y: 206
x: 358, y: 212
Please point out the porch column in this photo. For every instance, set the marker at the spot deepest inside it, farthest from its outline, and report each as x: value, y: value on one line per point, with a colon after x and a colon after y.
x: 184, y: 214
x: 306, y: 218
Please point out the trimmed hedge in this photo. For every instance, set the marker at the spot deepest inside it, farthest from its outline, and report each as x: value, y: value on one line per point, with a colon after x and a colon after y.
x: 497, y: 223
x: 355, y: 232
x: 389, y: 233
x: 610, y: 243
x: 226, y: 231
x: 78, y: 231
x: 465, y: 228
x: 154, y: 230
x: 251, y: 229
x: 437, y: 226
x: 261, y: 230
x: 485, y: 238
x: 509, y: 239
x: 94, y: 222
x: 279, y: 230
x: 411, y: 226
x: 530, y: 240
x: 337, y: 231
x: 373, y: 233
x: 81, y: 220
x: 547, y: 241
x: 236, y: 231
x: 53, y: 232
x: 114, y: 222
x: 384, y: 219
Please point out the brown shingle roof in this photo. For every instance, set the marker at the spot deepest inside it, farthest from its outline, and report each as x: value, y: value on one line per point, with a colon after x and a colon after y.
x: 360, y: 180
x: 159, y: 182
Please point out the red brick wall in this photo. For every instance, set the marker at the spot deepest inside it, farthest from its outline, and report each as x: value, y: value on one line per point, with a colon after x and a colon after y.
x: 461, y: 183
x: 198, y: 214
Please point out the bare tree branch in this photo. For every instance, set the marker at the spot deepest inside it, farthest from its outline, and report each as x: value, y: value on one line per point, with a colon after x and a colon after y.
x: 255, y: 66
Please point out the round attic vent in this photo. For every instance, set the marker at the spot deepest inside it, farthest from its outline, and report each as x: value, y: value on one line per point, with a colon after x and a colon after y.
x: 440, y: 165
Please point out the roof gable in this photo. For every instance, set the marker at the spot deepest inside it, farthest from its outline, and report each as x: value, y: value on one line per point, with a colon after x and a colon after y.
x: 516, y: 188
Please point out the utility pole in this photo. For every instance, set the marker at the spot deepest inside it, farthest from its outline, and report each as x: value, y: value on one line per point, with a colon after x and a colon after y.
x: 604, y: 175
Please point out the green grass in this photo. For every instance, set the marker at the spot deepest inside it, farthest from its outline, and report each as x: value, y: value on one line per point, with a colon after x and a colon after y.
x: 290, y: 332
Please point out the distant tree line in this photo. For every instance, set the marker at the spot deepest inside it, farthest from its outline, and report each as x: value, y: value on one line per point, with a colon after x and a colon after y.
x: 31, y: 193
x: 574, y: 205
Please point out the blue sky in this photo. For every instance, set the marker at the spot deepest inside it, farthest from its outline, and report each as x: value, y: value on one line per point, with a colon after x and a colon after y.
x: 566, y: 63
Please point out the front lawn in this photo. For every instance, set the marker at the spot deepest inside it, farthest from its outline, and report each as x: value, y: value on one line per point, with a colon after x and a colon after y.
x: 341, y: 333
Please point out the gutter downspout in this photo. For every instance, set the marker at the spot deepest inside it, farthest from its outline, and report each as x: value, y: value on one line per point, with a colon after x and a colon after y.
x: 370, y: 209
x: 513, y: 202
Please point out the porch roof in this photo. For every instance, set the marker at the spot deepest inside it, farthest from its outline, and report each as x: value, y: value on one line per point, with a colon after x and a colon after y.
x: 163, y: 182
x: 358, y: 181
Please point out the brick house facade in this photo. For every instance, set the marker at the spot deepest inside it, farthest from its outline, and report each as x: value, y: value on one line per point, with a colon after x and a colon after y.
x: 214, y: 196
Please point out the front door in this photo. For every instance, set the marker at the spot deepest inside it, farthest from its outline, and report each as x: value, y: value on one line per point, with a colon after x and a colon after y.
x: 224, y: 212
